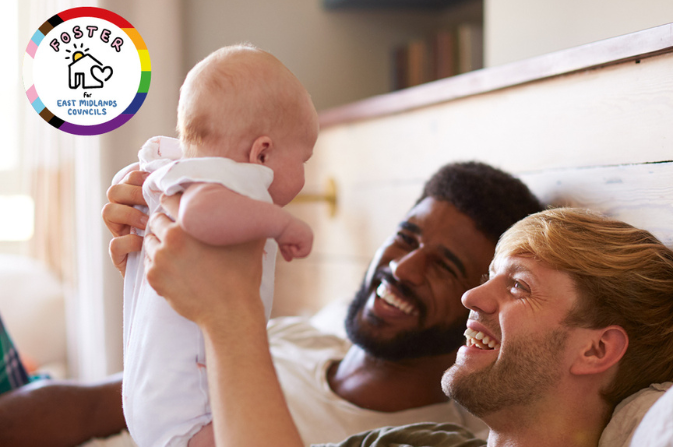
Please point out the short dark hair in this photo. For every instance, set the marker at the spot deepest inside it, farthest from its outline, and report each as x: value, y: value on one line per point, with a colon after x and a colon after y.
x: 493, y: 199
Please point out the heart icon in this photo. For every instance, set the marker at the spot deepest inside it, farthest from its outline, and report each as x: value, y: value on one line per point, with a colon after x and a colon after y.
x: 101, y: 74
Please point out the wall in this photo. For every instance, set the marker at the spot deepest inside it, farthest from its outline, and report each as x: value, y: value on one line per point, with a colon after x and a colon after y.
x: 340, y: 56
x: 519, y: 29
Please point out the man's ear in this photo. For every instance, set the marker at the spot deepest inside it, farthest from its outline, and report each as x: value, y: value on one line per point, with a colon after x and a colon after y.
x: 602, y: 350
x: 260, y: 150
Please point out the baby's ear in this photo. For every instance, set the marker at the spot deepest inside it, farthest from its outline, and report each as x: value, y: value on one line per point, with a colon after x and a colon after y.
x: 260, y: 150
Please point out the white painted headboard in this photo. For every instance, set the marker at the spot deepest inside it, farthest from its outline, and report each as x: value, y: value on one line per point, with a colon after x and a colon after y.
x: 640, y: 194
x: 590, y: 126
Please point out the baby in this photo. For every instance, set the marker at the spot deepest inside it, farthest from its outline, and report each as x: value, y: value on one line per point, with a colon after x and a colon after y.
x: 247, y: 126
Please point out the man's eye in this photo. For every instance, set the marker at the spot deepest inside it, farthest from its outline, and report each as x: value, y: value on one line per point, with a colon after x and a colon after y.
x: 447, y: 268
x: 520, y: 287
x: 405, y: 238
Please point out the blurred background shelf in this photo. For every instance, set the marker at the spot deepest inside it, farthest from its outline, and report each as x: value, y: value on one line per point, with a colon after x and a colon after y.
x: 398, y: 4
x: 444, y: 53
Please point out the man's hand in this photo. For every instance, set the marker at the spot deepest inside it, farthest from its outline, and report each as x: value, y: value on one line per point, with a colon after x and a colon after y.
x: 61, y: 413
x: 198, y: 279
x: 120, y: 215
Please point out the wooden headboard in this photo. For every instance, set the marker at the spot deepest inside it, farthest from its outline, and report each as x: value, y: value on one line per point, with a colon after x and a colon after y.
x: 589, y: 126
x: 640, y: 194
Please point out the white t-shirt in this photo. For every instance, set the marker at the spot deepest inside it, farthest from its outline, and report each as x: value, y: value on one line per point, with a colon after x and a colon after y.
x: 302, y: 354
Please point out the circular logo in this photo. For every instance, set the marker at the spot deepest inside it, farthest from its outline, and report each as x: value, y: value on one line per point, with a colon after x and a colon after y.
x: 86, y: 71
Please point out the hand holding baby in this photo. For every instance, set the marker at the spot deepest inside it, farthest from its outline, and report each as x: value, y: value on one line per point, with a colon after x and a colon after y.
x: 176, y: 264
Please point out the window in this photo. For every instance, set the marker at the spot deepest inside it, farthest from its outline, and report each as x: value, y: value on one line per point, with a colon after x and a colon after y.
x: 13, y: 201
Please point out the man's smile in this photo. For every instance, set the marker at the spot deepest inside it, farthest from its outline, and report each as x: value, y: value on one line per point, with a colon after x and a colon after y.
x: 480, y: 340
x: 387, y: 293
x: 478, y: 336
x: 392, y: 299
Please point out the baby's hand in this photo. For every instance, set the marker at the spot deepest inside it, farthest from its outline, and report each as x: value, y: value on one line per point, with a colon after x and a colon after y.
x: 296, y: 240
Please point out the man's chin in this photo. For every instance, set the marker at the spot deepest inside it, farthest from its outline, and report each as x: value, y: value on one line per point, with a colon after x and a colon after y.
x: 449, y: 378
x: 460, y: 386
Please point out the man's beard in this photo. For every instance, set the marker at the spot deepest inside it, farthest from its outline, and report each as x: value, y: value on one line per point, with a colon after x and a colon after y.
x: 519, y: 378
x: 410, y: 344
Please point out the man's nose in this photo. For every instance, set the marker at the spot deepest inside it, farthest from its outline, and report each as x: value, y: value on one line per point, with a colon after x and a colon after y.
x: 409, y: 268
x: 482, y: 298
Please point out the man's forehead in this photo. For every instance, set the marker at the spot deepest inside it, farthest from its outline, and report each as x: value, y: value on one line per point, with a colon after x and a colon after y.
x: 423, y: 207
x: 511, y: 264
x: 436, y: 215
x: 522, y: 262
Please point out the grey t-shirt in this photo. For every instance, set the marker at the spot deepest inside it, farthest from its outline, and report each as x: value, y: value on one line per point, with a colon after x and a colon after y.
x: 425, y: 434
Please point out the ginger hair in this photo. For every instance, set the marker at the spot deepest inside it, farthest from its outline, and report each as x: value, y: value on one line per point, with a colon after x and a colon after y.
x: 623, y: 276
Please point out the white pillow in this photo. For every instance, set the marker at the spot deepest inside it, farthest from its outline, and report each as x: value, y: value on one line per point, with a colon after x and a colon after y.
x: 628, y: 414
x: 656, y: 430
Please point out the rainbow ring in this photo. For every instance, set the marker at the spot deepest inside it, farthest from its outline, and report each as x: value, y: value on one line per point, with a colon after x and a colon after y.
x: 39, y: 37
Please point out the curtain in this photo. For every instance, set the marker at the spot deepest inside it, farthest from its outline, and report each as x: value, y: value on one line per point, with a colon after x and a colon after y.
x: 51, y: 160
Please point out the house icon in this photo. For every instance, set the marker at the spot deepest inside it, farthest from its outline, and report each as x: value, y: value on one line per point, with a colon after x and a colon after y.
x: 88, y: 72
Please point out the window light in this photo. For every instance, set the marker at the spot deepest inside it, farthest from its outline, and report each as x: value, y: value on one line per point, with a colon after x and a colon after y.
x: 18, y: 217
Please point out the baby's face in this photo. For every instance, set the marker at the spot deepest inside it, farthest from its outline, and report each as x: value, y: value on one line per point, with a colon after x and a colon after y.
x: 288, y: 166
x: 292, y: 150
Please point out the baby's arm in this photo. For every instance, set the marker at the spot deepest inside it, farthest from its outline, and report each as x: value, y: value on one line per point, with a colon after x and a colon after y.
x: 217, y: 215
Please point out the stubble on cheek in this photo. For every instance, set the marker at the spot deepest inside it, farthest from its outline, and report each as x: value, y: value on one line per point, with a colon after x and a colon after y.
x: 519, y: 377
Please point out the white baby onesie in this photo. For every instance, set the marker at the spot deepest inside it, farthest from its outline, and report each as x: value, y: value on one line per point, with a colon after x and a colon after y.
x: 165, y: 391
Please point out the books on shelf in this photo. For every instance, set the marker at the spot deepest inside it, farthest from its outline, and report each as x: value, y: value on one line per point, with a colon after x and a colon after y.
x: 470, y: 42
x: 417, y: 63
x: 444, y: 53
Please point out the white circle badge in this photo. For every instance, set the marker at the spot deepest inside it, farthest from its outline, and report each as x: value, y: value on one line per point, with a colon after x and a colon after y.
x: 86, y: 71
